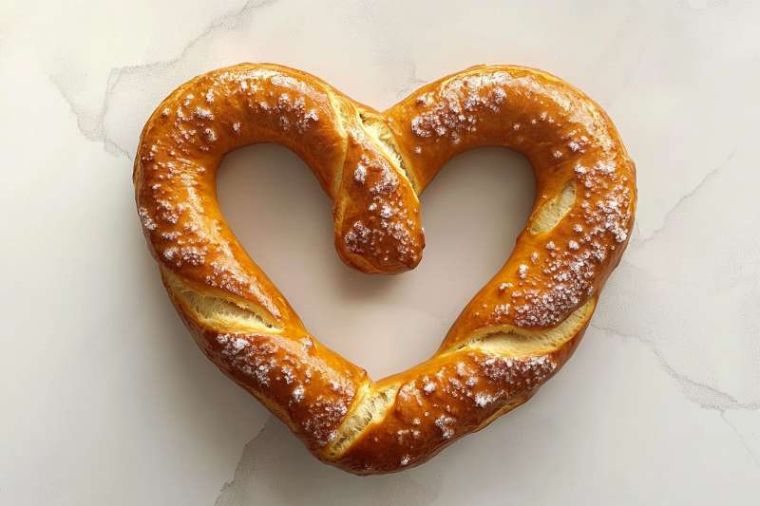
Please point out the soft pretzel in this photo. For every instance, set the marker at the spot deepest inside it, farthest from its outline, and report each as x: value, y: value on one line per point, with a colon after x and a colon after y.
x: 517, y: 331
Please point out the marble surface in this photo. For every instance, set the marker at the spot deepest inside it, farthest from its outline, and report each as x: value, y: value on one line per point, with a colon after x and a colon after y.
x: 104, y: 397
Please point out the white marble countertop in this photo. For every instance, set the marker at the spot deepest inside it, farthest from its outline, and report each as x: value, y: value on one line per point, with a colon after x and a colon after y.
x: 106, y: 400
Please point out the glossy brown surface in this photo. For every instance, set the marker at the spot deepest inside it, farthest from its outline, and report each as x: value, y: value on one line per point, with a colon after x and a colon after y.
x: 515, y: 333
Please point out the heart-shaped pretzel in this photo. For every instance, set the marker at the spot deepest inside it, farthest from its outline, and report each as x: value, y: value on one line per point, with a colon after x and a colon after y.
x: 516, y: 332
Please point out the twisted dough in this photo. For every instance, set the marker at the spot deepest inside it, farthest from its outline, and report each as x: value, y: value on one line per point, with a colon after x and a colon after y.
x: 516, y: 332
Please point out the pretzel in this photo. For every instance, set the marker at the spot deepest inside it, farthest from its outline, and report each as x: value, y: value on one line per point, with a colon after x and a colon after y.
x: 517, y: 331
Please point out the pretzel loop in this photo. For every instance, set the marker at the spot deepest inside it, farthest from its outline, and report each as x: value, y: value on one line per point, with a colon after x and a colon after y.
x: 517, y: 331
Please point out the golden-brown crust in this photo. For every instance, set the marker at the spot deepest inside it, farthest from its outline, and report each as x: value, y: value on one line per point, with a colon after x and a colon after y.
x: 517, y: 331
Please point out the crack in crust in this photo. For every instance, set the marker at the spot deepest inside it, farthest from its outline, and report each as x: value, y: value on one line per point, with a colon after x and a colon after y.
x: 217, y: 311
x: 370, y: 408
x: 517, y: 331
x: 374, y: 125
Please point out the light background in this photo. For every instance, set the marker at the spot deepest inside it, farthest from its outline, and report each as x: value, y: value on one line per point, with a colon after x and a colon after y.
x: 104, y: 399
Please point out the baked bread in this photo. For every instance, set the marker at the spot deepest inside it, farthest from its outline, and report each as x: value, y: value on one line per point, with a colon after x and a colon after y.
x: 516, y: 332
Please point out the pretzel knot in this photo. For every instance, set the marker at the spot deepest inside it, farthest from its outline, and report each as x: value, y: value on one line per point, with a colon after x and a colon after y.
x: 517, y: 331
